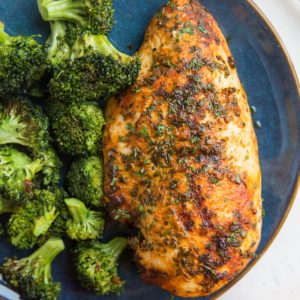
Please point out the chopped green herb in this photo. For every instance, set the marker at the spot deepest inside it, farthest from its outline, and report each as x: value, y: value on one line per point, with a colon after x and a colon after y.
x: 202, y: 28
x: 140, y: 208
x: 214, y: 180
x: 195, y: 64
x: 258, y: 124
x: 130, y: 127
x: 174, y: 184
x: 136, y: 89
x: 195, y: 139
x: 172, y: 5
x: 114, y: 181
x: 159, y: 14
x: 160, y: 129
x: 121, y: 214
x: 169, y: 62
x: 188, y: 29
x: 238, y: 179
x: 145, y: 132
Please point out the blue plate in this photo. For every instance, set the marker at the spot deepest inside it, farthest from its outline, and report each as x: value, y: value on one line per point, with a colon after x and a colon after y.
x: 271, y: 86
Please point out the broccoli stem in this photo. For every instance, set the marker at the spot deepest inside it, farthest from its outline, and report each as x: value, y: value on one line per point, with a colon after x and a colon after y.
x: 48, y: 252
x: 85, y: 224
x: 45, y: 255
x: 56, y: 41
x: 67, y: 10
x: 31, y: 275
x: 101, y: 43
x: 47, y: 273
x: 18, y: 160
x: 77, y: 209
x: 4, y: 37
x: 33, y: 168
x: 9, y: 137
x: 21, y: 162
x: 42, y: 224
x: 10, y: 132
x: 98, y: 44
x: 116, y: 246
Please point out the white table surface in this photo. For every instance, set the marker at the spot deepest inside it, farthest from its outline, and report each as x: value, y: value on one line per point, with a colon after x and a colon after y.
x: 277, y: 274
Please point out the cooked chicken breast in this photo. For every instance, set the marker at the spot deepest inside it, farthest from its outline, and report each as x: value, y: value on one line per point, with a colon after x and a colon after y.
x: 181, y: 157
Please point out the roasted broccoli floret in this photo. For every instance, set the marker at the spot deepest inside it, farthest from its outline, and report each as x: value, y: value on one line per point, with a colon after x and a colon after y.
x: 85, y: 223
x: 85, y: 180
x: 77, y: 128
x: 96, y: 266
x: 23, y: 123
x: 20, y: 174
x: 59, y: 226
x: 33, y: 218
x: 96, y: 16
x: 57, y: 47
x: 22, y: 64
x: 31, y: 275
x: 51, y: 166
x: 96, y: 70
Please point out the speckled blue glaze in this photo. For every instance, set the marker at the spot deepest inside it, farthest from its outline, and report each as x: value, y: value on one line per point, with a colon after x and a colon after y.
x: 270, y: 86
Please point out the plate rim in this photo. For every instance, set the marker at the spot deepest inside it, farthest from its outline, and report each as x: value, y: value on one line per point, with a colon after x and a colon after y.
x: 293, y: 197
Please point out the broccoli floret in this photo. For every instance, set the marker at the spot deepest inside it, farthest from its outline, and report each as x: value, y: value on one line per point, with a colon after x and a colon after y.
x: 31, y: 275
x: 22, y: 64
x: 85, y: 180
x: 96, y: 266
x: 23, y: 123
x: 34, y: 218
x: 72, y: 32
x: 96, y: 16
x: 96, y: 70
x: 85, y: 223
x: 51, y: 166
x: 77, y: 128
x: 57, y: 47
x: 59, y: 226
x: 18, y: 173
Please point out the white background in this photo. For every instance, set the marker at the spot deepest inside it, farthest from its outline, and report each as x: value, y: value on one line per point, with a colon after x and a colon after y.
x: 277, y: 274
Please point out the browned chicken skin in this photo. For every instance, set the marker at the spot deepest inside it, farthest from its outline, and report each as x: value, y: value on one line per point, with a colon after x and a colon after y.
x: 181, y: 157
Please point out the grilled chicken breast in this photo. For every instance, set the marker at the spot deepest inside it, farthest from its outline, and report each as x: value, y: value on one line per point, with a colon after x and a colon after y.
x: 181, y: 157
